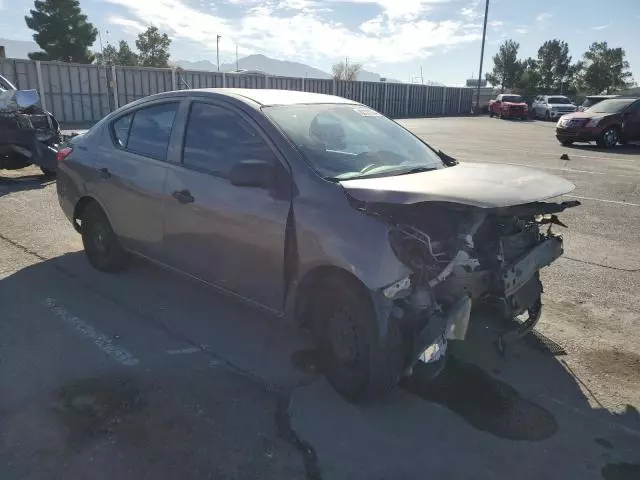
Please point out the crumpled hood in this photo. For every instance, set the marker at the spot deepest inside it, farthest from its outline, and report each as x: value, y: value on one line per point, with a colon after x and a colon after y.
x: 482, y: 185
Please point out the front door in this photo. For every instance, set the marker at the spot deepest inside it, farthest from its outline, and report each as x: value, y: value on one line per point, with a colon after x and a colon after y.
x: 232, y: 237
x: 631, y: 122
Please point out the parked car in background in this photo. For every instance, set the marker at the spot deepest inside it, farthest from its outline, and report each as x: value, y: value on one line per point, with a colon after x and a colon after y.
x: 319, y: 209
x: 551, y: 107
x: 507, y: 105
x: 591, y: 100
x: 611, y: 121
x: 28, y: 134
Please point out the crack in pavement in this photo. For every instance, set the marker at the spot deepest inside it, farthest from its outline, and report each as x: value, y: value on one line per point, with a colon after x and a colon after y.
x: 283, y: 396
x: 596, y: 264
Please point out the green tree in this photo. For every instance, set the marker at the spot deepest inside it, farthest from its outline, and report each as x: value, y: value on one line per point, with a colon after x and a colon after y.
x: 529, y: 81
x: 62, y: 31
x: 554, y: 64
x: 154, y: 48
x: 605, y: 69
x: 507, y: 69
x: 123, y: 55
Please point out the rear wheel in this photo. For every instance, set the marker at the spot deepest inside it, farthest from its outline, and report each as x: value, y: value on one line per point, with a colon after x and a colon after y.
x: 609, y: 137
x: 490, y: 113
x: 101, y: 245
x: 357, y: 362
x: 547, y: 116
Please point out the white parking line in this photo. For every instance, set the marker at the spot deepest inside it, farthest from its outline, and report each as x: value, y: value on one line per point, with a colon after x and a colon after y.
x: 629, y: 204
x: 100, y: 340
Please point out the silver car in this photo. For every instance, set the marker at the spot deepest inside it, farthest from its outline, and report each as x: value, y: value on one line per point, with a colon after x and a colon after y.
x: 318, y: 209
x: 552, y: 107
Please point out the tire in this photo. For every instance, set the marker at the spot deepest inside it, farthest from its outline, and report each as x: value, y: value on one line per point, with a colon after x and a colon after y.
x: 547, y: 116
x: 490, y: 113
x: 48, y: 174
x: 355, y: 362
x: 609, y: 137
x: 100, y: 243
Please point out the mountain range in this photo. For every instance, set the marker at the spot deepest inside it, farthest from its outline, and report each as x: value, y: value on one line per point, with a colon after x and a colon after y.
x: 271, y: 66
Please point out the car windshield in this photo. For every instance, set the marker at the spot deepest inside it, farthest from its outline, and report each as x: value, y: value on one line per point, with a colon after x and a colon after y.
x: 512, y: 98
x: 613, y: 105
x: 560, y: 100
x: 352, y: 141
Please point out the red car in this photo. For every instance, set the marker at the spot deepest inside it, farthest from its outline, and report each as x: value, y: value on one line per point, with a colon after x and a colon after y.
x: 612, y: 121
x: 508, y: 106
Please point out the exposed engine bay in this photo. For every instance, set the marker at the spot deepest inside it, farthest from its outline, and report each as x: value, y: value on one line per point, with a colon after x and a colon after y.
x: 462, y: 255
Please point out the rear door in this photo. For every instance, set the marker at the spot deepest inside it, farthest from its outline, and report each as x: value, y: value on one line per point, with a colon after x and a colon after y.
x: 232, y: 237
x: 131, y: 170
x: 631, y: 122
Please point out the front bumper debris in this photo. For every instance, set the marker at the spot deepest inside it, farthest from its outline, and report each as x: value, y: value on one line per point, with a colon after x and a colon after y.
x: 518, y: 274
x: 431, y: 342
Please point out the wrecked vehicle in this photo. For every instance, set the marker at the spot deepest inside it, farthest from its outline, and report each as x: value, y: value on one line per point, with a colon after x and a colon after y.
x: 28, y: 134
x: 321, y: 210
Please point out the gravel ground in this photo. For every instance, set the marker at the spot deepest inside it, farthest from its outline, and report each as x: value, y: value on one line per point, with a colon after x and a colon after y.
x: 148, y: 375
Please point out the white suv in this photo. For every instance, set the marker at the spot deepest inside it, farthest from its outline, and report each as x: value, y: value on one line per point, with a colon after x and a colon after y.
x: 551, y: 107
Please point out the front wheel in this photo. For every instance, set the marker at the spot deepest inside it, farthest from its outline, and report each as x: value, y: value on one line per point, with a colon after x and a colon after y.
x: 490, y: 113
x: 547, y: 116
x: 357, y: 361
x: 101, y: 244
x: 608, y: 138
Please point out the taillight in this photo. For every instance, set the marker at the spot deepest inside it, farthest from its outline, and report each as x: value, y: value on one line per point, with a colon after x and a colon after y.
x: 63, y: 153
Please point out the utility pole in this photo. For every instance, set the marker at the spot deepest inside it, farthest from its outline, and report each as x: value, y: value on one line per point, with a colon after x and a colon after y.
x: 237, y: 68
x: 218, y: 37
x: 421, y: 76
x: 484, y: 36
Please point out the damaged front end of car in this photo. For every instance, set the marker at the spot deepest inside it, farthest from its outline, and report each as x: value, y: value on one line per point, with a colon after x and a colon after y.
x: 461, y: 256
x: 29, y: 135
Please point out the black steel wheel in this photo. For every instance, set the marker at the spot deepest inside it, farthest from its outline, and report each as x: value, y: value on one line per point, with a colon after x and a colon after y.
x: 357, y: 360
x: 101, y: 244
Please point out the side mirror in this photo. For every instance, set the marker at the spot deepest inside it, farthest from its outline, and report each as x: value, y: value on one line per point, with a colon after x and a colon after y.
x: 252, y: 173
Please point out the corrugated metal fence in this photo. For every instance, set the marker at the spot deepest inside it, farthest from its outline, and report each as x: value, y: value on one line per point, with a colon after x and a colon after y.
x: 82, y: 94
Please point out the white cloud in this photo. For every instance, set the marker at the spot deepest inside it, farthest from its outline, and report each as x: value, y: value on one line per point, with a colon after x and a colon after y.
x: 544, y: 16
x: 522, y: 30
x: 129, y: 26
x: 393, y: 36
x: 601, y: 27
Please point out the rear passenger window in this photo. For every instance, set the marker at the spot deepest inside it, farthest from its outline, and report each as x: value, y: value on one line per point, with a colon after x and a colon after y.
x: 217, y: 138
x: 121, y: 130
x: 150, y: 130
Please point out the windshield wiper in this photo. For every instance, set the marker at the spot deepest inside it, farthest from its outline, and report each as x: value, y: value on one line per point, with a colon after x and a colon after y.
x: 449, y: 161
x: 415, y: 170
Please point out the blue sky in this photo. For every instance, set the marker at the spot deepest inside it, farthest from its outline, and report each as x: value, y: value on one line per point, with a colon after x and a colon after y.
x: 392, y: 37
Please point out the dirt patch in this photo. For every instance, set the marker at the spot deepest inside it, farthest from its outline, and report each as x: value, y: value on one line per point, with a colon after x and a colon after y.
x: 616, y: 363
x: 92, y: 407
x: 485, y: 402
x: 621, y: 471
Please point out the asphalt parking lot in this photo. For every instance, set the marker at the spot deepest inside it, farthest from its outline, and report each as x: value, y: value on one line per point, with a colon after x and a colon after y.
x: 147, y: 375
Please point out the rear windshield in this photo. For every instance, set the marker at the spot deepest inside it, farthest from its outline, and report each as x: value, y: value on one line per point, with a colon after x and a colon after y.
x: 613, y: 105
x: 560, y: 100
x: 512, y: 98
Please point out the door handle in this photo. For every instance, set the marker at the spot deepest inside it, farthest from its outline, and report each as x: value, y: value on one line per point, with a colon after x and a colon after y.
x: 104, y: 173
x: 183, y: 196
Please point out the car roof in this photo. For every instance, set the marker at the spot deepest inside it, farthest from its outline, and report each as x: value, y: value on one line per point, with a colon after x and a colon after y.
x: 270, y: 97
